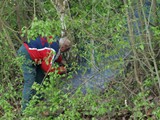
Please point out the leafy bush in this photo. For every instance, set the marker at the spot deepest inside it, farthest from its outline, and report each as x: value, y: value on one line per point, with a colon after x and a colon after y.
x: 101, y: 31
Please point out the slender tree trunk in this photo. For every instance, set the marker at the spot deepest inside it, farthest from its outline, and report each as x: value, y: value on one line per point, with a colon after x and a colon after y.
x: 18, y: 13
x: 154, y: 12
x: 132, y: 41
x: 92, y: 39
x: 148, y: 35
x: 9, y: 41
x: 60, y: 6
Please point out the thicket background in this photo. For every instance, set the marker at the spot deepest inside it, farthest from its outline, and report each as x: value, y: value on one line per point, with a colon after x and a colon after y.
x: 119, y: 35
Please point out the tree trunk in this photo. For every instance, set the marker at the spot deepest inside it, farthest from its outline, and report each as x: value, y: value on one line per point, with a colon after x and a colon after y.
x: 148, y: 35
x: 131, y: 38
x: 155, y: 14
x: 60, y: 6
x: 92, y: 39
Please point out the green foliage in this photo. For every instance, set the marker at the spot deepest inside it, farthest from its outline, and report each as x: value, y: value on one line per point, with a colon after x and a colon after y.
x: 100, y: 31
x: 141, y: 104
x: 10, y: 88
x: 42, y: 28
x: 156, y: 112
x: 70, y: 106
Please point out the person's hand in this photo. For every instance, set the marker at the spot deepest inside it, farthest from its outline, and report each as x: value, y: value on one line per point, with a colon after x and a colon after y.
x: 62, y: 70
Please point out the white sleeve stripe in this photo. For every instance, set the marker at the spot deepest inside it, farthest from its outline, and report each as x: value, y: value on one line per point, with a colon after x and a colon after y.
x: 45, y: 48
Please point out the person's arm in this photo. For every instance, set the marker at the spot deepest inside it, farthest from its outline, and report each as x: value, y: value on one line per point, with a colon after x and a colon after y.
x: 61, y: 60
x: 49, y: 68
x: 46, y: 65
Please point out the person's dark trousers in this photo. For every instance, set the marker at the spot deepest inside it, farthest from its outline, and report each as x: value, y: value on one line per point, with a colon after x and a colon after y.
x: 31, y: 73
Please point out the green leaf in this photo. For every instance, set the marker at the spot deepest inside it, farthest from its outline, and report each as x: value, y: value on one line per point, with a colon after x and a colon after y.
x: 141, y: 47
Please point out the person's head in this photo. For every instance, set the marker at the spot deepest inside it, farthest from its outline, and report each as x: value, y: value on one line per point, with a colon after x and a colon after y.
x: 65, y: 44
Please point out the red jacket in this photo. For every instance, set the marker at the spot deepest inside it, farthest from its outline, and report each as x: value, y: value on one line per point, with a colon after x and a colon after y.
x: 44, y: 53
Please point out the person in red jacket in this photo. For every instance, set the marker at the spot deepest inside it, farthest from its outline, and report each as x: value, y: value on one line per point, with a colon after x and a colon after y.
x: 39, y: 58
